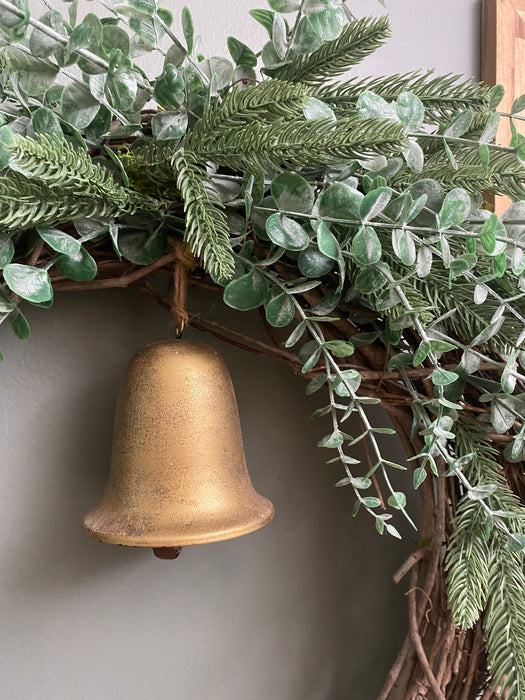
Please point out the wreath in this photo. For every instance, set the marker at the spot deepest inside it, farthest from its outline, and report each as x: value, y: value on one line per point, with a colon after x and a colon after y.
x: 356, y: 215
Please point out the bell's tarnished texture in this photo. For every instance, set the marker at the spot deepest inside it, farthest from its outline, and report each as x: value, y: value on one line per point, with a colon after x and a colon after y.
x: 178, y: 475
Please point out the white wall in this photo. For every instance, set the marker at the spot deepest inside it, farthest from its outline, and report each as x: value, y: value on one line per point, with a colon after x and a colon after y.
x: 301, y: 610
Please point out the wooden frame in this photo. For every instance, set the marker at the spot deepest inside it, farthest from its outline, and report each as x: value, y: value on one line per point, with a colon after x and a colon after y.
x: 503, y: 61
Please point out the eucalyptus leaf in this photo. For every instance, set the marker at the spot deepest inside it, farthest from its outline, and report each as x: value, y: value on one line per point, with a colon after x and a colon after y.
x: 314, y: 385
x: 404, y: 246
x: 285, y: 5
x: 326, y: 241
x: 280, y: 310
x: 518, y: 105
x: 313, y: 263
x: 443, y: 377
x: 332, y: 441
x: 420, y: 474
x: 347, y: 382
x: 78, y: 106
x: 30, y: 283
x: 286, y: 232
x: 340, y: 348
x: 121, y: 90
x: 397, y: 500
x: 316, y: 109
x: 187, y: 28
x: 246, y: 292
x: 296, y: 335
x: 366, y: 246
x: 340, y: 201
x: 241, y: 54
x: 328, y: 23
x: 141, y: 247
x: 46, y: 122
x: 59, y: 241
x: 264, y: 17
x: 456, y: 207
x: 170, y: 89
x: 80, y: 266
x: 372, y: 106
x: 306, y: 39
x: 20, y: 324
x: 7, y: 251
x: 292, y: 193
x: 460, y: 124
x: 40, y: 43
x: 410, y: 110
x: 374, y: 202
x: 169, y: 126
x: 279, y: 38
x: 114, y: 37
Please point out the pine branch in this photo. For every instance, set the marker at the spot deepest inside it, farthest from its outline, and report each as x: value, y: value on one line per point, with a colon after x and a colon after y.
x: 357, y: 41
x: 470, y: 319
x: 443, y: 96
x: 207, y: 232
x: 504, y: 623
x: 468, y: 565
x: 482, y: 571
x: 505, y: 173
x: 267, y: 102
x: 59, y: 165
x: 148, y: 166
x: 300, y: 143
x: 25, y: 204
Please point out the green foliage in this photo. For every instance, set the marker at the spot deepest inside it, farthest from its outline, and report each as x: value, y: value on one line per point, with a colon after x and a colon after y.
x: 206, y: 231
x: 442, y: 96
x: 267, y: 102
x: 357, y: 40
x: 300, y: 144
x: 60, y: 167
x: 358, y: 204
x: 483, y: 571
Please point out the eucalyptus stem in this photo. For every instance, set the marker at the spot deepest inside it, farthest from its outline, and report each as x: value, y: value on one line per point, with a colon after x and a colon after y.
x: 317, y: 335
x: 52, y: 34
x: 293, y: 34
x: 460, y: 141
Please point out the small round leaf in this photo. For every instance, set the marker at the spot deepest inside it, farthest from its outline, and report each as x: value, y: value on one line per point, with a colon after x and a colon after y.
x: 280, y: 310
x: 28, y: 282
x: 286, y: 232
x: 246, y: 292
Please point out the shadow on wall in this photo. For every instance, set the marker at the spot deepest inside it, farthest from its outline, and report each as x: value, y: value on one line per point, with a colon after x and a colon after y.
x: 302, y: 610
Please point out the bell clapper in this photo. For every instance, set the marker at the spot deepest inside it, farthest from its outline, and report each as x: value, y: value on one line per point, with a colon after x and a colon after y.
x: 167, y: 552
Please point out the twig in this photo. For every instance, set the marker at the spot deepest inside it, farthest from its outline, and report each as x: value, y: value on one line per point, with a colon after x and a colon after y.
x: 268, y: 350
x: 473, y: 663
x: 409, y: 563
x: 396, y: 669
x: 416, y: 638
x: 33, y: 259
x: 115, y: 282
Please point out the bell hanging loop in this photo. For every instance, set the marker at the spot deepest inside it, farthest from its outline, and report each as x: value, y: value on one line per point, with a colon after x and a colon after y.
x: 185, y: 262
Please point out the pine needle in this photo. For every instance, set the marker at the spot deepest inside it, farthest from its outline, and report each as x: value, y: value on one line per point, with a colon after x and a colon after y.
x: 357, y: 41
x: 206, y: 232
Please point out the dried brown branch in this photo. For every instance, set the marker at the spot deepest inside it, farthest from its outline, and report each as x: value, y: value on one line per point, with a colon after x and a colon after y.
x: 62, y: 285
x: 416, y: 638
x: 409, y: 563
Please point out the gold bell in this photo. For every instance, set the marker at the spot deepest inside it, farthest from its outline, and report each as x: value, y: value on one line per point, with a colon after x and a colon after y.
x: 178, y: 474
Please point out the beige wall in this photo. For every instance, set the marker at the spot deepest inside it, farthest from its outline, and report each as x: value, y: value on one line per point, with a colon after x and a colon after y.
x: 302, y: 610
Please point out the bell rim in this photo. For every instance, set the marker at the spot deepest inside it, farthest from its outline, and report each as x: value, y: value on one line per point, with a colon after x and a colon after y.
x: 176, y: 540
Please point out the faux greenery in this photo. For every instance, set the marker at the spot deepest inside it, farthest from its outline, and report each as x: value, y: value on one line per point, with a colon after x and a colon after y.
x: 357, y: 215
